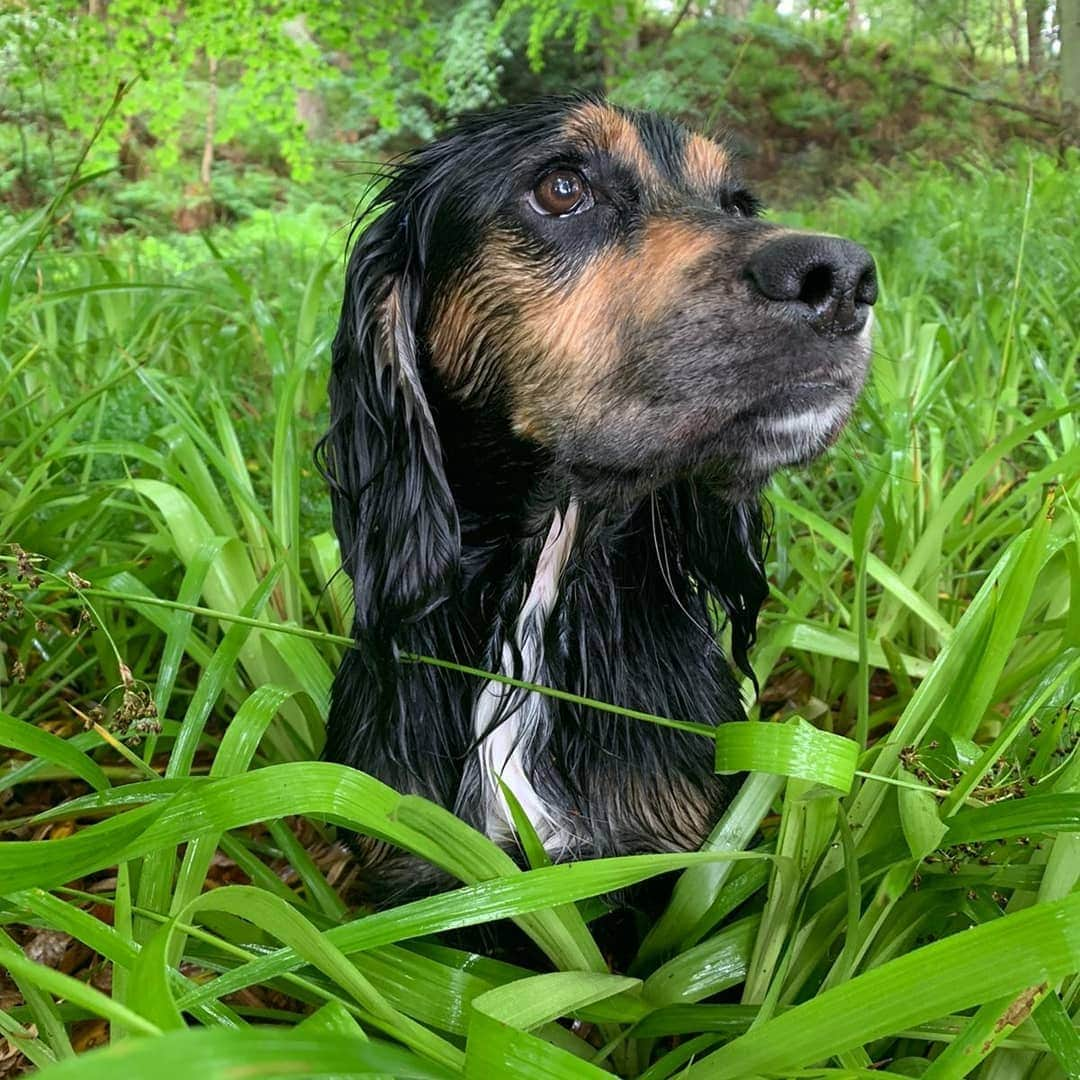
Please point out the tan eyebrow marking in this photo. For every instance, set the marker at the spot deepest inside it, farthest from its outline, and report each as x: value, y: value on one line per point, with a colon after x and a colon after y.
x: 611, y: 131
x: 705, y: 164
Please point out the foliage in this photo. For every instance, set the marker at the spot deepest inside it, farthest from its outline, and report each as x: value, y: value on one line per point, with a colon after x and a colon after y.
x: 269, y: 51
x: 554, y: 20
x: 894, y: 891
x: 796, y: 100
x: 790, y: 88
x: 170, y: 638
x: 473, y: 59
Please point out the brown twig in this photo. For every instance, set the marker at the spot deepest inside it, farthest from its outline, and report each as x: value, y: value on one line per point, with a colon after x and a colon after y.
x: 669, y: 33
x: 1052, y: 119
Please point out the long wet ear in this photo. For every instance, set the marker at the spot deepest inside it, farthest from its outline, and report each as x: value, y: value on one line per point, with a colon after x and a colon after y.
x: 393, y: 511
x: 726, y: 556
x: 743, y: 588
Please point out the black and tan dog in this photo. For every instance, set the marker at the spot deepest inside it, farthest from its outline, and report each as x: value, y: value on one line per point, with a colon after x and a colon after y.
x: 569, y: 358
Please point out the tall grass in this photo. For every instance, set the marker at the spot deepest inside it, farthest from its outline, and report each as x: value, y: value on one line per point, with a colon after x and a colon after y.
x: 893, y: 892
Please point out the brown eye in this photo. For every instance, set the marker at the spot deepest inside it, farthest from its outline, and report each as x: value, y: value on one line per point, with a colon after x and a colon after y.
x: 561, y: 192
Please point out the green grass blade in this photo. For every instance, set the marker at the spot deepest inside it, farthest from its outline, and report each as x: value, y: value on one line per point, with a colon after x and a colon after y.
x: 221, y: 1054
x: 498, y: 1043
x: 991, y: 1025
x: 46, y: 746
x: 150, y: 983
x: 794, y: 748
x: 1040, y: 944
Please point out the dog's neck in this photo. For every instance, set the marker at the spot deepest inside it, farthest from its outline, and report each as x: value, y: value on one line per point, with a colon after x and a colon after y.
x: 600, y: 598
x: 506, y: 720
x: 612, y: 601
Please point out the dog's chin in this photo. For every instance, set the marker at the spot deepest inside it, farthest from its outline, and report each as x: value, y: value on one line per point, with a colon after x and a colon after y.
x: 736, y: 458
x: 796, y: 435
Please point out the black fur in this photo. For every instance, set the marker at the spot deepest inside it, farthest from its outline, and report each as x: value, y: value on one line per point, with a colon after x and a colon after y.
x: 442, y: 507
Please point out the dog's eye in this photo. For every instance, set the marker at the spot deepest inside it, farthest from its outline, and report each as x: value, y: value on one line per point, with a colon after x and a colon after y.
x: 560, y: 193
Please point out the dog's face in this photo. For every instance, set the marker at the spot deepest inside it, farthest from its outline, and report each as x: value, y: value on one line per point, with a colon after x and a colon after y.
x: 601, y: 277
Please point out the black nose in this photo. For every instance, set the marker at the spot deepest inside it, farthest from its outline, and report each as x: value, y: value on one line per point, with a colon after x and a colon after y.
x: 830, y: 281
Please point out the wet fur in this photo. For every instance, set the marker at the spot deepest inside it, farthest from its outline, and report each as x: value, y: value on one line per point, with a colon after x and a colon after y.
x: 464, y: 417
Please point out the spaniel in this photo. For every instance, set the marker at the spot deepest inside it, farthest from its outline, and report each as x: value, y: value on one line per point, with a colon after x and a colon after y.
x: 570, y: 355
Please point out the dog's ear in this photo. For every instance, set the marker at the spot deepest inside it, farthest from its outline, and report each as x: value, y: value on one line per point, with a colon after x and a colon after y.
x: 743, y: 587
x: 726, y: 543
x: 393, y: 511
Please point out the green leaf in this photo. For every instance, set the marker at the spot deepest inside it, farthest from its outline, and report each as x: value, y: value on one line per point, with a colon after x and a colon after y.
x: 220, y: 1054
x: 716, y: 964
x: 991, y: 1025
x: 684, y: 919
x: 1057, y: 1028
x: 994, y: 960
x: 794, y: 748
x: 19, y: 735
x: 150, y: 984
x: 919, y: 818
x: 503, y: 898
x: 498, y: 1043
x: 1015, y: 817
x: 75, y: 991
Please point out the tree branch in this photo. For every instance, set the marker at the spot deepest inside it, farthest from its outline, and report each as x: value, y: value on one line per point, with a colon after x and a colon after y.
x: 1054, y: 120
x: 669, y: 33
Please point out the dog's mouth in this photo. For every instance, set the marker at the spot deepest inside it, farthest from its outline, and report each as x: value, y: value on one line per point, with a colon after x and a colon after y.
x: 736, y: 450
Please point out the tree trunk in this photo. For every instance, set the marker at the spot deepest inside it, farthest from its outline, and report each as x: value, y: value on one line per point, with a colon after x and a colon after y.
x: 1069, y: 18
x: 207, y: 166
x: 1036, y: 16
x: 623, y: 41
x: 310, y: 104
x: 851, y: 21
x: 1014, y: 35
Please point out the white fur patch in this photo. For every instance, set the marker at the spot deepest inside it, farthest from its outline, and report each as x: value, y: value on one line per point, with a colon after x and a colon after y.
x: 503, y: 751
x: 792, y: 437
x: 809, y: 424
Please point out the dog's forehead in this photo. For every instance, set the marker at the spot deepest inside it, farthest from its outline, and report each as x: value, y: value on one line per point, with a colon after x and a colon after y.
x: 659, y: 151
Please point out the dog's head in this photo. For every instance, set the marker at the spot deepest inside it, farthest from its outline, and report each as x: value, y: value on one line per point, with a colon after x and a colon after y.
x: 599, y: 280
x: 603, y: 276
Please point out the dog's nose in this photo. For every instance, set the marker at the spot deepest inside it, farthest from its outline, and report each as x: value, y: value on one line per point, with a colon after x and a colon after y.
x: 830, y: 281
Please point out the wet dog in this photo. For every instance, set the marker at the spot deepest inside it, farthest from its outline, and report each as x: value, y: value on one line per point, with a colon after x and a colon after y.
x: 570, y: 356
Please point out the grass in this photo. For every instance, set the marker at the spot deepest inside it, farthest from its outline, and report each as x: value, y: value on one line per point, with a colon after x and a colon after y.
x: 893, y: 892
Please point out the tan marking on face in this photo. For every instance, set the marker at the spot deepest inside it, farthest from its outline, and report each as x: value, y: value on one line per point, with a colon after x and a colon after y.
x: 705, y: 164
x: 570, y: 337
x: 556, y: 341
x: 608, y: 130
x: 475, y: 314
x: 453, y: 327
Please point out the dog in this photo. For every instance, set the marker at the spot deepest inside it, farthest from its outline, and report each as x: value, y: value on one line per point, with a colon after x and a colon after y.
x: 569, y: 358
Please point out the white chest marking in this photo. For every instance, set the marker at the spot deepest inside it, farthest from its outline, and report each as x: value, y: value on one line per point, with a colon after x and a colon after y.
x: 503, y: 749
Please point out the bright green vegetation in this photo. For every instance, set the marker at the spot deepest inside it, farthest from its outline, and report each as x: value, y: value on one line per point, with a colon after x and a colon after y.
x: 209, y: 132
x: 158, y: 407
